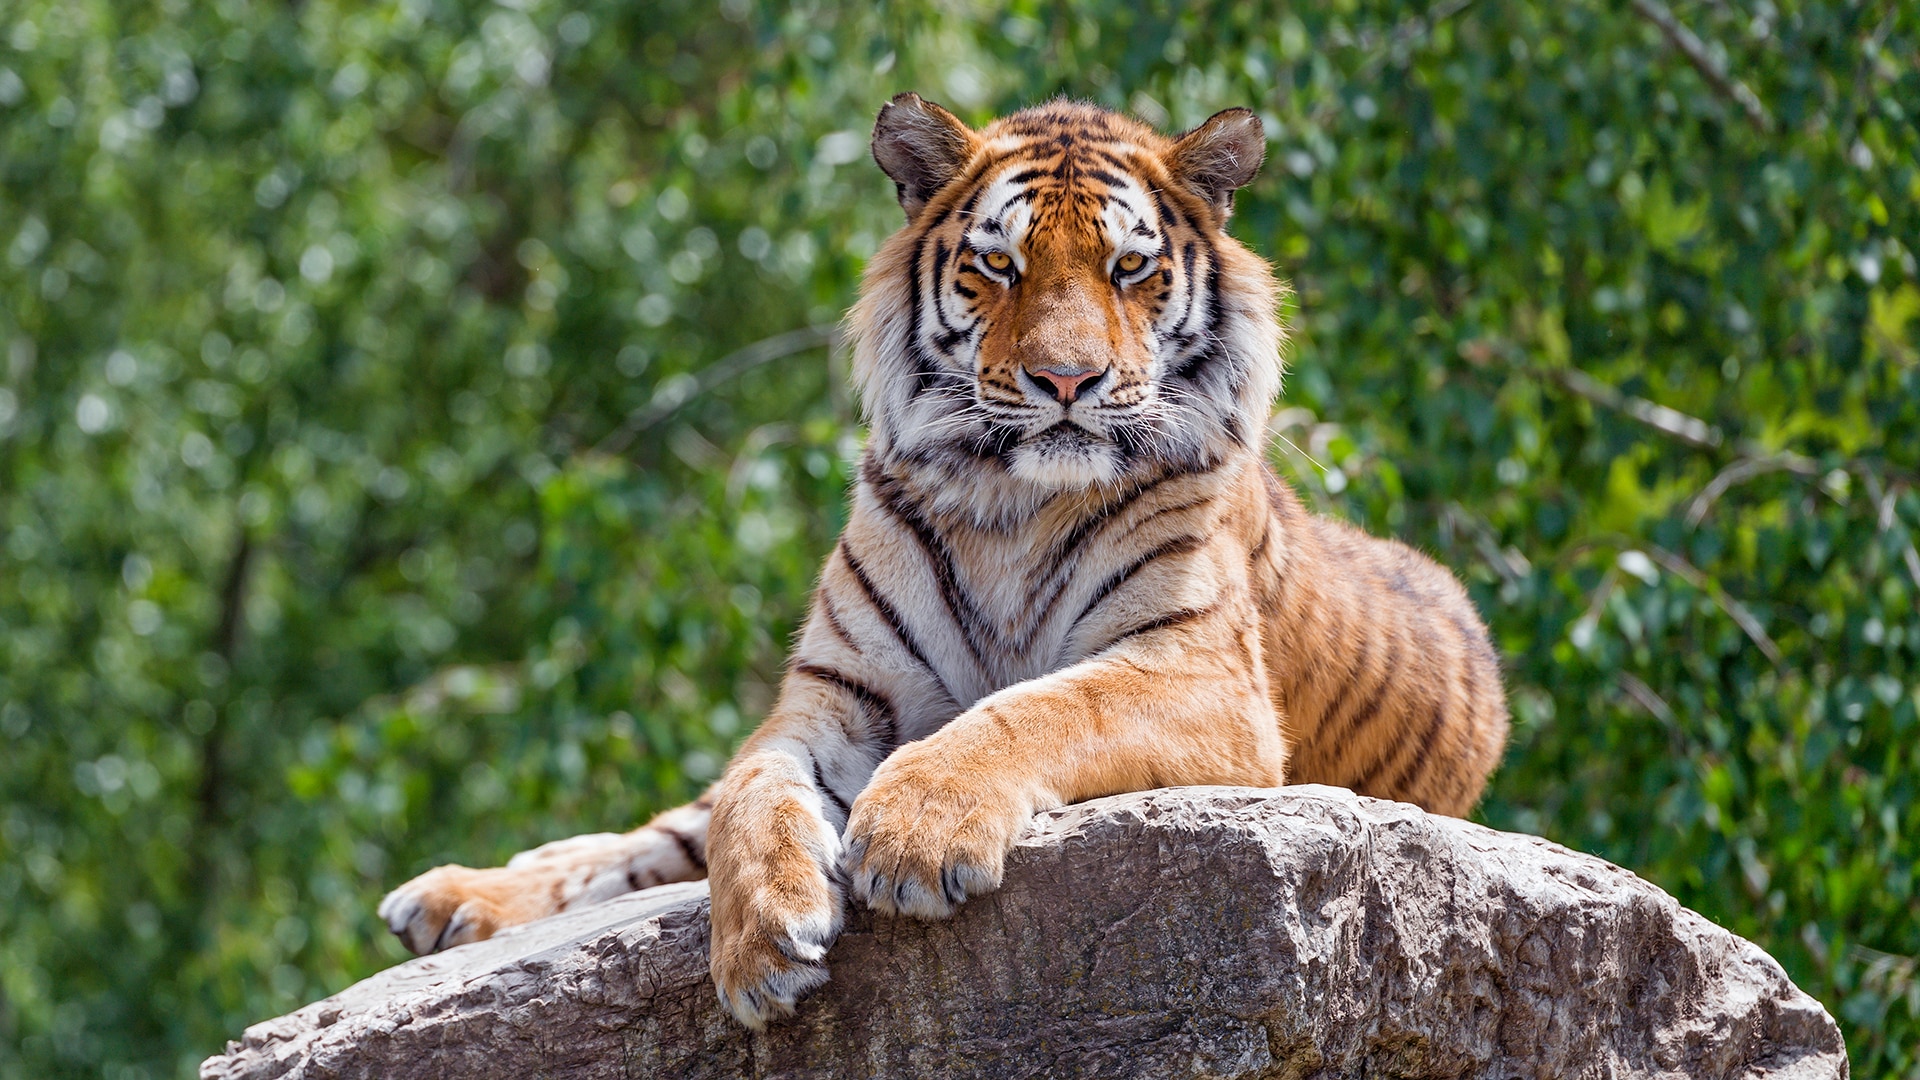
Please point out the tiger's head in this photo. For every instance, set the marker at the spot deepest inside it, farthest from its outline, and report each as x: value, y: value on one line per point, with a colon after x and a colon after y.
x: 1064, y: 304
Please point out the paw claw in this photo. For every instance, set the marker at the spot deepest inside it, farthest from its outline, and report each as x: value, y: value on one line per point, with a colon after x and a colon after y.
x: 398, y: 910
x: 469, y: 922
x: 869, y: 886
x: 774, y: 998
x: 410, y: 918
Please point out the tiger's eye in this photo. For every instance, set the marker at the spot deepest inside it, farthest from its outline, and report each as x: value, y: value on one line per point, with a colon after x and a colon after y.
x: 999, y: 260
x: 1131, y: 261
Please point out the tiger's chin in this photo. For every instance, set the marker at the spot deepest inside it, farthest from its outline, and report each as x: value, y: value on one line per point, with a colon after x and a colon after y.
x: 1066, y: 458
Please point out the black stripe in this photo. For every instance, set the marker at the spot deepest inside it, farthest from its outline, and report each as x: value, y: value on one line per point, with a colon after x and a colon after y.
x: 1418, y: 758
x: 1214, y: 314
x: 1064, y: 559
x: 973, y: 200
x: 961, y: 183
x: 1062, y: 562
x: 1236, y: 423
x: 988, y: 448
x: 1377, y: 697
x: 1197, y: 361
x: 941, y: 253
x: 1168, y: 217
x: 1178, y: 546
x: 1259, y: 549
x: 1177, y: 508
x: 887, y: 613
x: 1210, y: 325
x: 873, y: 703
x: 1170, y: 619
x: 923, y: 370
x: 687, y: 847
x: 1477, y: 652
x: 1134, y: 439
x: 1348, y: 684
x: 1189, y: 252
x: 820, y: 781
x: 926, y: 373
x: 946, y: 340
x: 833, y: 622
x: 1455, y: 778
x: 1069, y: 546
x: 893, y: 499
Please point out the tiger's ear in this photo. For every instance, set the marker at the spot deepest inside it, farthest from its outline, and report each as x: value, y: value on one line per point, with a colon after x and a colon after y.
x: 1220, y: 156
x: 921, y: 146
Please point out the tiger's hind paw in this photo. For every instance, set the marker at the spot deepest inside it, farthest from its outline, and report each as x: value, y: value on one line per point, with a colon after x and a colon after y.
x: 442, y: 908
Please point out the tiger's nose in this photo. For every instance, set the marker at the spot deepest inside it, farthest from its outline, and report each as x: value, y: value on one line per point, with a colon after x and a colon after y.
x: 1067, y: 383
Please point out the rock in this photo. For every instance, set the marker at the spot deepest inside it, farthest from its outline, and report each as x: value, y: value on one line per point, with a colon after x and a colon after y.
x: 1194, y: 932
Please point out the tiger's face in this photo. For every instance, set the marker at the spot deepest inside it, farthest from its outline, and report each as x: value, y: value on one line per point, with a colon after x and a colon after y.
x: 1065, y: 305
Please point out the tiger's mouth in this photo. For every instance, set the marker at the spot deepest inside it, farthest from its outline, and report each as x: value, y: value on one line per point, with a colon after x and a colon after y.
x: 1068, y: 431
x: 1066, y: 455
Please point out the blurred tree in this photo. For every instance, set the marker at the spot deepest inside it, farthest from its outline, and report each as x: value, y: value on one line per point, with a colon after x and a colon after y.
x: 420, y: 423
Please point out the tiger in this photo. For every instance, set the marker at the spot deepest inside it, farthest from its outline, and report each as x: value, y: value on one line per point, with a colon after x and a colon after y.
x: 1068, y: 570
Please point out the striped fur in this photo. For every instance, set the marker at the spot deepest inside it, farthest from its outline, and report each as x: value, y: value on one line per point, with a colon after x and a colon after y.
x: 1067, y: 573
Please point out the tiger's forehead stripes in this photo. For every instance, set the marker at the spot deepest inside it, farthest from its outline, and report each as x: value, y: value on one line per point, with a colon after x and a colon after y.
x: 1112, y: 212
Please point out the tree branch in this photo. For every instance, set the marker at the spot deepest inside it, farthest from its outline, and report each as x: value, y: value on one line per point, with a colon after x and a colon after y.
x: 1884, y: 498
x: 1482, y: 352
x: 674, y: 393
x: 1740, y: 472
x: 1689, y: 45
x: 1688, y: 429
x: 226, y: 641
x: 1738, y: 612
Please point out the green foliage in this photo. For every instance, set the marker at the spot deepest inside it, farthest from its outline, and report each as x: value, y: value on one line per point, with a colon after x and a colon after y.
x: 364, y: 506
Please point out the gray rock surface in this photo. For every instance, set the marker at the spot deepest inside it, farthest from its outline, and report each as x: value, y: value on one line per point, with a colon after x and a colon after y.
x: 1194, y: 932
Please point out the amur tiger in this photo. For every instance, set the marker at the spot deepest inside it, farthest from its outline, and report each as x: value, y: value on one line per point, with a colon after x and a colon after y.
x: 1068, y: 571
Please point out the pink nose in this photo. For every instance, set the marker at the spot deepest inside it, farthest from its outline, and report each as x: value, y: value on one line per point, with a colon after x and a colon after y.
x: 1066, y: 384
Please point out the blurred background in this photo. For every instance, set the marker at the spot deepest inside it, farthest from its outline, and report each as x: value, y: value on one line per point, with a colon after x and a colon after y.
x: 421, y: 421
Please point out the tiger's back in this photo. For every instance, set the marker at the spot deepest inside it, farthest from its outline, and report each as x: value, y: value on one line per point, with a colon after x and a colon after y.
x: 1382, y: 671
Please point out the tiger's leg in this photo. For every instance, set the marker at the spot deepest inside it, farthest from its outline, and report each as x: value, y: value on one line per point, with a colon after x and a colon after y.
x: 1185, y: 704
x: 452, y: 905
x: 779, y: 897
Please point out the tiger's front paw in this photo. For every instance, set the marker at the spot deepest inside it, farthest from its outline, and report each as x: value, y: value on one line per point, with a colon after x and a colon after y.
x: 923, y: 837
x: 774, y: 953
x: 777, y: 907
